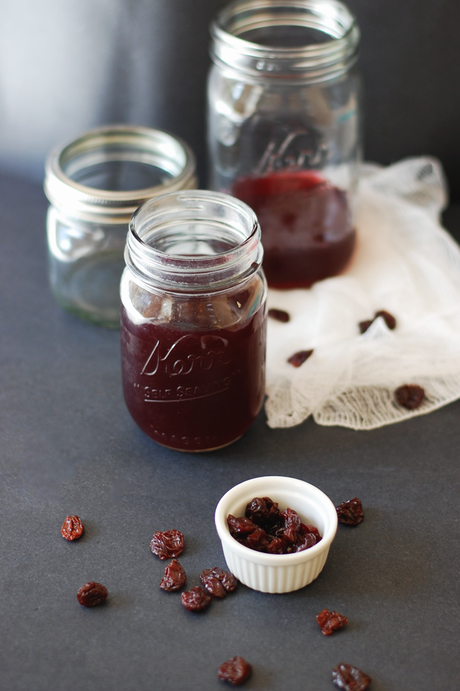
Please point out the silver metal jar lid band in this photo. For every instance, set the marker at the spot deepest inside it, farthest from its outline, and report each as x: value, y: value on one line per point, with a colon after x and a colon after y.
x: 129, y: 143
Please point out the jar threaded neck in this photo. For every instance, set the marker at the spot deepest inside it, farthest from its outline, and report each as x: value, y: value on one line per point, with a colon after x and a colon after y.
x: 248, y: 36
x: 193, y: 241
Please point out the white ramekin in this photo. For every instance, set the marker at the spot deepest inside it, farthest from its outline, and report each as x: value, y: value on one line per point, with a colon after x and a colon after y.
x: 277, y: 573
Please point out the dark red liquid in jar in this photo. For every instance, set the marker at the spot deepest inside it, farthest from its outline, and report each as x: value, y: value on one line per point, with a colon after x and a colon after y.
x: 194, y: 389
x: 306, y: 227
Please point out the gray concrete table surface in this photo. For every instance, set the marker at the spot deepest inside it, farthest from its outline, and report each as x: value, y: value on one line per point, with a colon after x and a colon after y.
x: 68, y: 445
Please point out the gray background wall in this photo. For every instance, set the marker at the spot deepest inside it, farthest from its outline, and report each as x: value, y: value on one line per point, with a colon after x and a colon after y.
x: 68, y: 66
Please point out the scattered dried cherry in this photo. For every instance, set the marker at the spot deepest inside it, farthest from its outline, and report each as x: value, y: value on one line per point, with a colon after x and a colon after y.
x: 266, y: 529
x: 388, y: 318
x: 92, y: 594
x: 350, y: 512
x: 174, y: 577
x: 227, y: 579
x: 330, y: 621
x: 212, y: 584
x: 196, y: 599
x: 218, y: 582
x: 299, y: 358
x: 279, y: 315
x: 72, y: 528
x: 235, y: 671
x: 410, y: 396
x: 350, y: 678
x: 364, y: 325
x: 168, y: 544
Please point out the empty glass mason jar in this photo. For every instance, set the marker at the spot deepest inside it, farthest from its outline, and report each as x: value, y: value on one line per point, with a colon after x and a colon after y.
x: 284, y: 129
x: 94, y: 185
x: 193, y: 320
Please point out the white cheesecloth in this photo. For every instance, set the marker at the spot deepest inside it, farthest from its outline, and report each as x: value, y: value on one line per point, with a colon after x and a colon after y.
x: 405, y: 263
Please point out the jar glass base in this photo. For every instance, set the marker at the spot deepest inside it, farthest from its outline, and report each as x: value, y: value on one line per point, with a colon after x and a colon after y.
x: 213, y: 448
x: 107, y: 322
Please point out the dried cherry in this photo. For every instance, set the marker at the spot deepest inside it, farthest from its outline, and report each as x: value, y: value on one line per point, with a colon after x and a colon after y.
x: 330, y: 621
x: 235, y: 671
x: 92, y: 594
x: 265, y: 529
x: 218, y: 582
x: 196, y: 599
x: 291, y: 525
x: 350, y: 678
x: 212, y: 584
x: 299, y: 358
x: 388, y: 318
x: 257, y: 540
x: 228, y: 580
x: 167, y: 544
x: 410, y: 396
x: 364, y: 325
x: 174, y: 577
x: 240, y: 526
x: 264, y: 512
x: 312, y: 529
x: 279, y: 315
x: 277, y: 546
x: 305, y: 542
x: 350, y: 512
x: 72, y: 528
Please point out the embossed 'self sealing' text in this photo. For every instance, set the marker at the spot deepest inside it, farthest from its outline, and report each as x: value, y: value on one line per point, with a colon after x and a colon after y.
x: 179, y: 393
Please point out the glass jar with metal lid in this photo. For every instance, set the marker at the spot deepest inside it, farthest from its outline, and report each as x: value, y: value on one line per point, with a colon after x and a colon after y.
x: 94, y: 184
x: 284, y: 129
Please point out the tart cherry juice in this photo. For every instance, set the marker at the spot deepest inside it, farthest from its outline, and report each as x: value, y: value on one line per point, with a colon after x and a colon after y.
x: 194, y: 388
x: 306, y: 226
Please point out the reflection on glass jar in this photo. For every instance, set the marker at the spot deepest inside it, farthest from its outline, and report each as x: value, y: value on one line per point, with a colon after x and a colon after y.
x: 94, y: 184
x: 284, y: 129
x: 193, y: 320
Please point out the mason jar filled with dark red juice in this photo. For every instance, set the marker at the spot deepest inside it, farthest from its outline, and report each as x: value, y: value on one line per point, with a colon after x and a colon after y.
x: 284, y: 129
x: 193, y: 320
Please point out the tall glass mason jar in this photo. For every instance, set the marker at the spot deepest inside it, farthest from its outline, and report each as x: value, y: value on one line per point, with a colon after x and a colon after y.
x: 193, y: 320
x: 94, y: 185
x: 284, y: 129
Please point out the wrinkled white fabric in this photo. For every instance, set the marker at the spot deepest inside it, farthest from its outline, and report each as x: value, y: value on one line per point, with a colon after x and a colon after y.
x: 405, y: 263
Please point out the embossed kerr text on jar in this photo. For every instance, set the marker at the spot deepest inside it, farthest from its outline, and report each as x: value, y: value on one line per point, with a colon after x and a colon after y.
x: 194, y: 320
